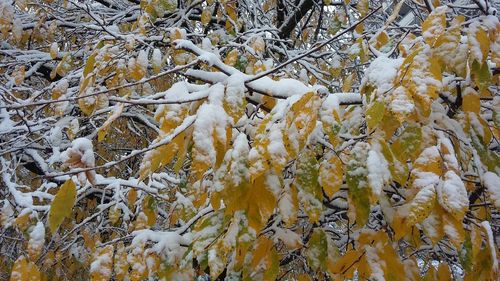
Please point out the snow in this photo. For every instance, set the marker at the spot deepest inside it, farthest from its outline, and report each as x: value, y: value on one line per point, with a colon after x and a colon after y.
x: 489, y: 233
x: 142, y: 59
x: 375, y: 263
x: 423, y: 179
x: 422, y: 75
x: 164, y: 240
x: 54, y: 48
x: 427, y: 155
x: 37, y: 237
x: 378, y: 170
x: 6, y: 213
x: 55, y: 136
x: 156, y: 59
x: 235, y: 92
x: 21, y: 199
x: 450, y: 159
x: 474, y: 44
x: 436, y: 28
x: 276, y: 147
x: 62, y: 86
x: 421, y: 202
x: 452, y: 193
x: 381, y: 73
x: 400, y: 102
x: 291, y: 239
x: 239, y: 154
x: 286, y: 205
x: 348, y: 98
x: 6, y: 124
x: 273, y: 183
x: 40, y: 162
x: 492, y: 183
x: 211, y: 118
x: 102, y: 263
x: 283, y: 88
x: 330, y: 104
x: 213, y: 77
x: 82, y: 147
x: 17, y: 29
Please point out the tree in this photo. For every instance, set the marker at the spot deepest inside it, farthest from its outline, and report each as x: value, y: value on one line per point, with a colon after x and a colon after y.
x: 254, y: 140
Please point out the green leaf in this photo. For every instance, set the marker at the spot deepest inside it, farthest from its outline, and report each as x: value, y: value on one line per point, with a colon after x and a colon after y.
x: 481, y: 74
x: 310, y: 192
x: 356, y: 178
x: 408, y: 144
x: 317, y: 250
x: 62, y: 205
x: 465, y: 255
x: 490, y: 159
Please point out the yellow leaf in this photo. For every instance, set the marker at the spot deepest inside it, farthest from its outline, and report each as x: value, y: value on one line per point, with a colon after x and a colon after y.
x: 380, y: 40
x: 300, y: 122
x: 400, y: 223
x: 24, y: 270
x: 135, y: 70
x: 114, y: 214
x: 157, y: 158
x: 346, y: 87
x: 131, y: 197
x: 149, y: 209
x: 444, y: 273
x: 230, y: 7
x: 121, y: 265
x: 19, y: 74
x: 62, y: 205
x: 181, y: 154
x: 232, y: 57
x: 430, y: 160
x: 258, y: 44
x: 261, y: 203
x: 89, y: 65
x: 454, y: 229
x: 103, y: 130
x: 206, y: 16
x: 135, y: 257
x: 346, y: 265
x: 433, y: 225
x: 479, y: 43
x: 389, y: 124
x: 268, y: 102
x: 471, y: 101
x: 363, y: 7
x: 264, y: 264
x: 374, y: 114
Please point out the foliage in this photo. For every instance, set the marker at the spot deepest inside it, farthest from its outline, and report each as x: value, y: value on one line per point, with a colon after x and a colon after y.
x: 253, y: 140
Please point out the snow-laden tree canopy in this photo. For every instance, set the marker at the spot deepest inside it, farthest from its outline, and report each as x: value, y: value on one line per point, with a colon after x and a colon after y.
x: 249, y: 139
